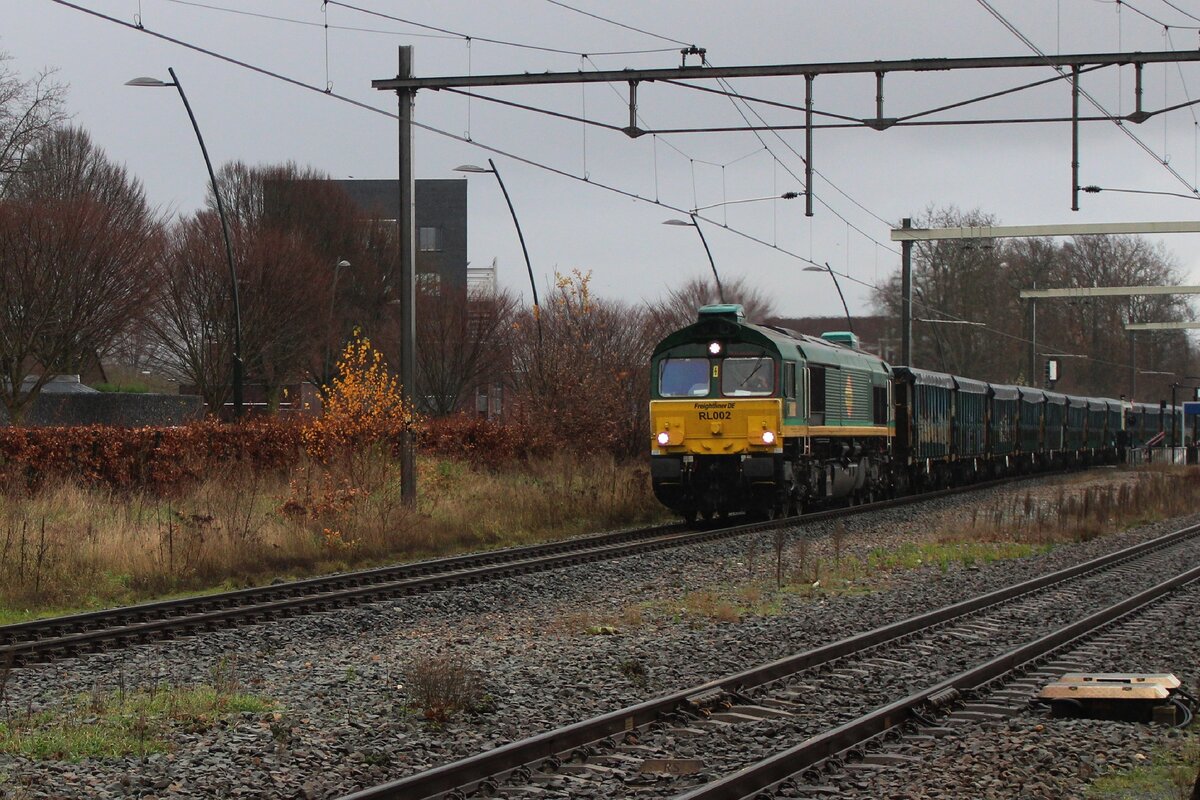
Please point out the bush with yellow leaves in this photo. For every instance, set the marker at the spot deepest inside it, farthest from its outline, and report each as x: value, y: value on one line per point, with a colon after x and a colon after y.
x: 364, y: 408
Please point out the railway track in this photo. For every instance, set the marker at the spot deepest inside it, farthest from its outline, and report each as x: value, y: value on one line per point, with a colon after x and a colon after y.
x: 52, y: 638
x: 730, y: 738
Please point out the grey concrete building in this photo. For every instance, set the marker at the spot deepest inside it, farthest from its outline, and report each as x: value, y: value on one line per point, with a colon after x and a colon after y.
x: 441, y: 210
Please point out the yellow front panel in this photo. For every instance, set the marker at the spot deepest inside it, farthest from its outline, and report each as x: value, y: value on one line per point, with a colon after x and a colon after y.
x: 715, y: 427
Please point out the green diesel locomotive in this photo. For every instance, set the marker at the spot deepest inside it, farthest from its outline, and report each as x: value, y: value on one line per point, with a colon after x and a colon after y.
x: 760, y: 419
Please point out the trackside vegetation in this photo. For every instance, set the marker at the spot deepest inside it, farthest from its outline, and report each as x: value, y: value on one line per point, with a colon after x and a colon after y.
x: 100, y: 516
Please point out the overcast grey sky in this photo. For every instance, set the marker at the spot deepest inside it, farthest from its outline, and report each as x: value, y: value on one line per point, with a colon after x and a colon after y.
x: 1020, y: 174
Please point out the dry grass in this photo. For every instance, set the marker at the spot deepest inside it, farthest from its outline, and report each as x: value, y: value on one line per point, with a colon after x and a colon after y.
x: 443, y: 686
x: 593, y: 623
x: 1082, y: 509
x: 70, y: 547
x: 1019, y: 525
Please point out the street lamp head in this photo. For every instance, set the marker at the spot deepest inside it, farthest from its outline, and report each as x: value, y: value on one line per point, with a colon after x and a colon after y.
x: 679, y: 222
x: 471, y: 168
x: 148, y: 82
x: 343, y: 263
x: 814, y: 268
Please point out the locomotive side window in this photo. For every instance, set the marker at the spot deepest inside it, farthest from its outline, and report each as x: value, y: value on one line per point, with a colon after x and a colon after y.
x: 816, y: 381
x: 789, y: 380
x: 683, y: 377
x: 748, y: 377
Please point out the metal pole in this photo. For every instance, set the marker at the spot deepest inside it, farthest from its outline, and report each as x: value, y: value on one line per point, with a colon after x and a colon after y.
x: 711, y: 263
x: 1075, y: 138
x: 408, y: 257
x: 1174, y: 418
x: 238, y: 396
x: 537, y: 312
x: 1033, y: 339
x: 906, y: 297
x: 808, y: 144
x: 1132, y: 366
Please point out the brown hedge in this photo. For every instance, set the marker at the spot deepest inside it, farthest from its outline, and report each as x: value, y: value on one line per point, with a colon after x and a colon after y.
x: 162, y: 460
x: 155, y: 459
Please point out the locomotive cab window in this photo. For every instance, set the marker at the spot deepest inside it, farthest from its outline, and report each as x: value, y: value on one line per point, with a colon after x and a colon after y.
x: 748, y: 377
x: 683, y: 377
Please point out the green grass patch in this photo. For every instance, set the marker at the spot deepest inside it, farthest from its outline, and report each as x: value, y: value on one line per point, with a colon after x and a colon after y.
x: 945, y: 555
x: 1169, y: 774
x: 112, y: 725
x: 120, y: 594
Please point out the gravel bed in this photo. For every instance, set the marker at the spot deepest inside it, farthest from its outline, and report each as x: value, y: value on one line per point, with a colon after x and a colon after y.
x: 1036, y: 756
x: 346, y: 712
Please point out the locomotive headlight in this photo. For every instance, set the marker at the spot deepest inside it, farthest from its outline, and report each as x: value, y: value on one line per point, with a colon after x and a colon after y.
x: 768, y: 437
x: 714, y: 348
x: 663, y: 438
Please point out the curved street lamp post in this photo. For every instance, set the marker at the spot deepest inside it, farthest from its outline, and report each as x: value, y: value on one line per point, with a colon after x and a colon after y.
x: 238, y: 393
x: 695, y: 223
x: 537, y: 315
x: 836, y: 285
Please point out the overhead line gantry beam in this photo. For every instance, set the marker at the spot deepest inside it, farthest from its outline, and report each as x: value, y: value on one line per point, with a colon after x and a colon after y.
x: 1022, y: 231
x: 1161, y: 326
x: 1108, y: 291
x: 776, y: 70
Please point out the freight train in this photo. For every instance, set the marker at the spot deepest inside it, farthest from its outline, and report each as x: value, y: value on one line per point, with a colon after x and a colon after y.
x: 760, y: 419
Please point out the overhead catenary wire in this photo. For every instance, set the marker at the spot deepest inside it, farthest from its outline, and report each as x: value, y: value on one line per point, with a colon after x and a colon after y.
x: 1187, y: 14
x: 704, y: 60
x: 139, y: 28
x: 1126, y: 4
x: 490, y: 40
x: 620, y: 24
x: 1087, y: 95
x: 800, y: 180
x: 308, y: 23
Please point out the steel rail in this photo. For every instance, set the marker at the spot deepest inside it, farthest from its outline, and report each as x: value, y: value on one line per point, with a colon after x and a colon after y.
x: 493, y: 766
x: 56, y: 637
x: 769, y: 773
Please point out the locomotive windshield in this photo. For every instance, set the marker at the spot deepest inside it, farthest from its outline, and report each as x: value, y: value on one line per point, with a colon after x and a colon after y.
x: 748, y: 377
x: 683, y: 377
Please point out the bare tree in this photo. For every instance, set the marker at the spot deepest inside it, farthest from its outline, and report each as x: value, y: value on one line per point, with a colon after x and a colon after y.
x: 190, y: 324
x: 584, y: 374
x: 30, y: 110
x: 981, y: 281
x: 282, y: 307
x: 679, y: 306
x: 77, y: 246
x: 320, y: 217
x: 462, y: 343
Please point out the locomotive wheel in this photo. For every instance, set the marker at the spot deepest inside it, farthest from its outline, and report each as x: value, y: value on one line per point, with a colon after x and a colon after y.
x: 793, y: 506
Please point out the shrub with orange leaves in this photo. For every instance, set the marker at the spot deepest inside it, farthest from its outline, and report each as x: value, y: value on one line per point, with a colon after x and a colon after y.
x: 363, y: 406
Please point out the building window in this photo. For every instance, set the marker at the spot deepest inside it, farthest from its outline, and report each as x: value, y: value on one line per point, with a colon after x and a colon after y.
x: 429, y: 240
x: 429, y: 282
